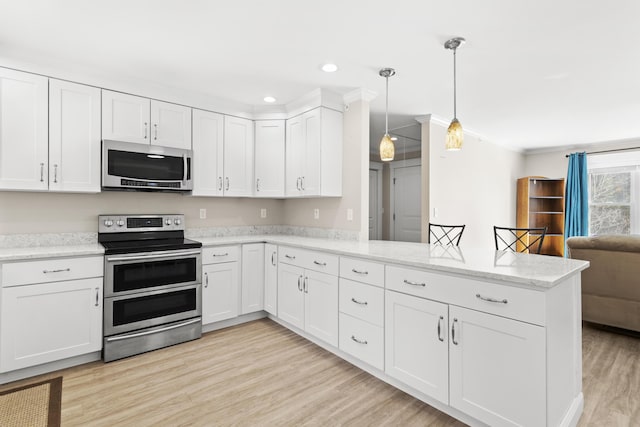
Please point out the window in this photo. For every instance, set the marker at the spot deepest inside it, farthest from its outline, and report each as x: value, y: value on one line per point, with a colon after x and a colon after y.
x: 614, y: 183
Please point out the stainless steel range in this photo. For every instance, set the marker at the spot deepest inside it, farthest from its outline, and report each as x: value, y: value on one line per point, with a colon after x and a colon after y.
x: 152, y: 284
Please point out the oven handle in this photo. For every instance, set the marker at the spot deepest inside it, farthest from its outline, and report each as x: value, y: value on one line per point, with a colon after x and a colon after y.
x: 155, y: 331
x: 167, y: 254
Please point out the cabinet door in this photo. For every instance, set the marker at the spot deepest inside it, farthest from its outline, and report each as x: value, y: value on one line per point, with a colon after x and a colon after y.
x: 321, y: 306
x: 252, y: 277
x: 269, y: 159
x: 170, y: 125
x: 238, y: 156
x: 416, y: 345
x: 294, y: 157
x: 497, y: 370
x: 208, y: 150
x: 50, y: 321
x: 290, y: 294
x: 74, y: 137
x: 220, y: 292
x: 23, y: 131
x: 311, y: 160
x: 125, y: 117
x: 271, y: 278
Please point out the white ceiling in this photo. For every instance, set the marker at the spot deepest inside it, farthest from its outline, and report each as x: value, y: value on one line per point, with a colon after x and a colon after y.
x: 532, y: 74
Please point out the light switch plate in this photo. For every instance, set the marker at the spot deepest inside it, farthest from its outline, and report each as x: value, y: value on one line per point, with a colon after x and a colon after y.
x: 316, y: 213
x: 203, y: 213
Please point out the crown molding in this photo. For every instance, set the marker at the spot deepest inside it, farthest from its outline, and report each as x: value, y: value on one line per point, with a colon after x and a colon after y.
x: 360, y: 94
x: 423, y: 119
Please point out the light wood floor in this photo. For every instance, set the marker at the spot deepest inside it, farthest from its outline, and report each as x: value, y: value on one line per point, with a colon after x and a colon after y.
x: 261, y: 374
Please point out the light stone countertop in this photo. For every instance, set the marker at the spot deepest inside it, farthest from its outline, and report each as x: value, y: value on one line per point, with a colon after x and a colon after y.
x: 530, y: 271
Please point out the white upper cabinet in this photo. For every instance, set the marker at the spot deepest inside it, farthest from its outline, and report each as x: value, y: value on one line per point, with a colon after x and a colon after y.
x: 269, y: 158
x: 23, y: 131
x: 145, y: 121
x: 238, y: 156
x: 314, y: 154
x: 74, y: 137
x: 208, y: 153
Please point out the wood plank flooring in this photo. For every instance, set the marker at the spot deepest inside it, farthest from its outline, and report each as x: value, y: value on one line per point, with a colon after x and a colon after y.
x: 261, y: 374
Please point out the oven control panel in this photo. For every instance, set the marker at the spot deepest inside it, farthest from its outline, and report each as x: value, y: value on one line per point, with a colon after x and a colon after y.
x: 130, y: 223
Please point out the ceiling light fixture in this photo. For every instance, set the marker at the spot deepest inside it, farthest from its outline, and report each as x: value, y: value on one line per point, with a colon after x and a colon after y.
x: 329, y: 68
x: 455, y: 135
x: 387, y: 149
x: 269, y: 99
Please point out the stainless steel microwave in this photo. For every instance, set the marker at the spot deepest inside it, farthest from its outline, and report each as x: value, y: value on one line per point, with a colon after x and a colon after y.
x: 131, y: 166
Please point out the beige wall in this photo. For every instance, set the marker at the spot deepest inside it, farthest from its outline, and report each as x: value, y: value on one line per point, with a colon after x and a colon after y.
x: 475, y: 186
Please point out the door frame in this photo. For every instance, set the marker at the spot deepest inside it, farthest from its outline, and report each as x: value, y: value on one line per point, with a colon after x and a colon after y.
x: 392, y: 197
x: 377, y: 166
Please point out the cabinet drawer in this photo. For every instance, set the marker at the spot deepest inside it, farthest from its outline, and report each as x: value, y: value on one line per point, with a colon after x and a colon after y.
x: 218, y: 254
x: 362, y: 301
x: 362, y: 271
x: 293, y: 256
x: 362, y: 340
x: 51, y: 270
x: 509, y: 301
x: 310, y: 260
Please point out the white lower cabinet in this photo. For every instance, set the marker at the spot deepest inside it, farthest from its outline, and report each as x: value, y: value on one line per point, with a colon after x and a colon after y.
x: 220, y: 283
x: 252, y: 282
x: 362, y: 340
x: 271, y: 279
x: 46, y: 322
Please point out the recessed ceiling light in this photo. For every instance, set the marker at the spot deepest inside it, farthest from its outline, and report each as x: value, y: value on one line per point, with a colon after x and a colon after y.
x: 269, y: 99
x: 329, y: 68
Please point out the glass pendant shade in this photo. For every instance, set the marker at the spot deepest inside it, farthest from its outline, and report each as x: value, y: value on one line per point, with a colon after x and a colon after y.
x: 455, y: 136
x: 387, y: 149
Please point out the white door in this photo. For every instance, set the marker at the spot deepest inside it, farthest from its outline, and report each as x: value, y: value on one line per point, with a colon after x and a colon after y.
x: 311, y: 125
x: 271, y: 278
x: 416, y: 344
x: 208, y: 153
x: 497, y: 369
x: 269, y: 158
x: 220, y: 292
x: 406, y: 215
x: 294, y: 156
x: 74, y: 137
x: 252, y: 277
x: 290, y: 294
x: 23, y: 131
x: 126, y: 117
x: 171, y: 125
x: 238, y: 156
x: 321, y: 306
x: 50, y: 321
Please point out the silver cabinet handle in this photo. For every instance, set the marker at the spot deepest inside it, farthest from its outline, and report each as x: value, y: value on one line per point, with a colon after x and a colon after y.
x: 289, y: 256
x: 300, y: 283
x: 206, y: 280
x: 322, y: 264
x: 224, y: 254
x: 273, y: 256
x: 56, y: 271
x: 503, y: 301
x: 97, y: 296
x: 359, y: 302
x: 306, y: 285
x: 439, y: 327
x: 453, y: 331
x: 359, y: 341
x: 258, y: 185
x: 155, y: 127
x: 145, y: 130
x: 55, y: 173
x: 226, y: 185
x: 219, y: 183
x: 409, y: 282
x: 359, y: 272
x: 302, y: 183
x: 41, y: 172
x: 298, y: 183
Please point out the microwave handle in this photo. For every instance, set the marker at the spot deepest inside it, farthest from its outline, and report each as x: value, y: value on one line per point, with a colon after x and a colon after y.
x: 184, y: 168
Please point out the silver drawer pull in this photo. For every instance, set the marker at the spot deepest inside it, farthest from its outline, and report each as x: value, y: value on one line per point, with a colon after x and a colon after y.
x: 290, y: 256
x: 56, y: 271
x: 359, y: 272
x: 504, y: 301
x: 224, y: 254
x: 359, y: 302
x: 358, y: 341
x: 323, y: 264
x: 409, y: 282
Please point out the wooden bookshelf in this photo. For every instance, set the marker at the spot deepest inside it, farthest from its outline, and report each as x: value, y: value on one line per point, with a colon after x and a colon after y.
x: 540, y: 203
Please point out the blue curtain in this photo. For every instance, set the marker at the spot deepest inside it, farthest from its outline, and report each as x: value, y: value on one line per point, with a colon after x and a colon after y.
x: 576, y: 220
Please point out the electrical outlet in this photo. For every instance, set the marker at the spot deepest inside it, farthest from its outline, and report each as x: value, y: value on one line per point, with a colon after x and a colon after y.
x: 263, y: 213
x: 316, y: 213
x: 349, y: 214
x: 203, y: 213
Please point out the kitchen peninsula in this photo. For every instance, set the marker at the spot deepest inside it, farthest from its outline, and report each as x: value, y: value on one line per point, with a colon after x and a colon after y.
x: 489, y: 337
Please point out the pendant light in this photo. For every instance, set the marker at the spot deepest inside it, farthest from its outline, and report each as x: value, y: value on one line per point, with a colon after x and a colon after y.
x: 455, y: 135
x: 387, y: 150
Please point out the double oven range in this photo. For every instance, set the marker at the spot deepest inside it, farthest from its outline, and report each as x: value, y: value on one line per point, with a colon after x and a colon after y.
x: 152, y: 284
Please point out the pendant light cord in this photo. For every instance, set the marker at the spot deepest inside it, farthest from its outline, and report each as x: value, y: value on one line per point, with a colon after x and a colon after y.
x: 455, y: 115
x: 386, y: 109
